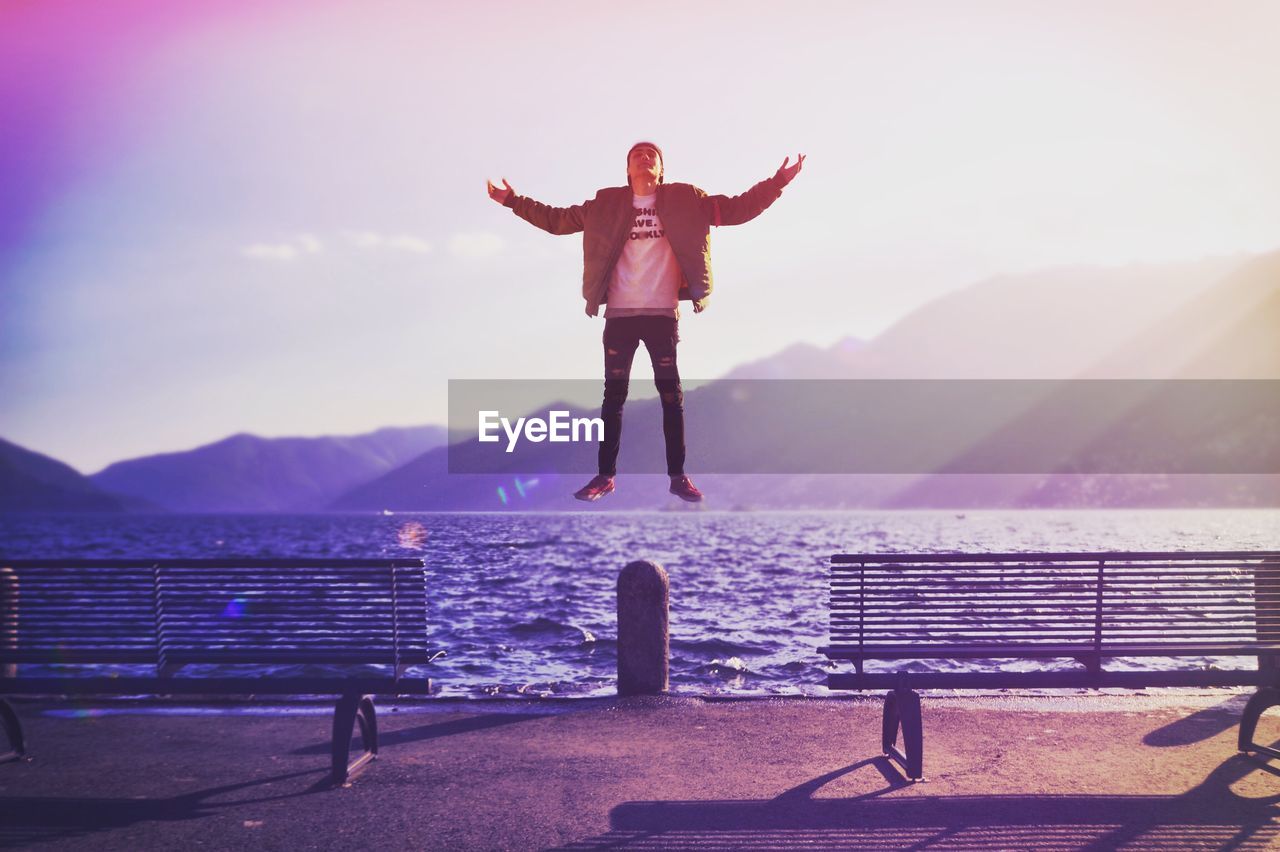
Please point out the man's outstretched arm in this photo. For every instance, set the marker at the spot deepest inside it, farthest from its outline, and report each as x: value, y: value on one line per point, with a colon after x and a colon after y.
x: 726, y: 210
x: 556, y: 220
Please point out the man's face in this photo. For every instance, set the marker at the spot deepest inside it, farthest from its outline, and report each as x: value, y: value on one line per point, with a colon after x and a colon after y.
x: 644, y: 162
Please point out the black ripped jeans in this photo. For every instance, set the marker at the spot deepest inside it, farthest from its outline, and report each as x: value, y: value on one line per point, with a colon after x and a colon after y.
x: 621, y: 337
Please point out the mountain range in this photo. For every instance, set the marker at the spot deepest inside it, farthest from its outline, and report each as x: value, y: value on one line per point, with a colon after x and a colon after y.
x: 245, y: 473
x: 1213, y: 319
x: 31, y: 482
x: 242, y: 473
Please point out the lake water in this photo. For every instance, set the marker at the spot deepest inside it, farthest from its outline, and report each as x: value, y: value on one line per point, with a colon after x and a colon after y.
x: 524, y: 603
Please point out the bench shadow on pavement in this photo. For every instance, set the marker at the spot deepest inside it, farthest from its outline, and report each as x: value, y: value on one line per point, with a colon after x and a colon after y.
x: 1207, y: 816
x: 1201, y: 725
x: 30, y: 819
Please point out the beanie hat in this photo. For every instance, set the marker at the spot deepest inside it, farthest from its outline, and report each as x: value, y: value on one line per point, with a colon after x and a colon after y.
x: 662, y: 161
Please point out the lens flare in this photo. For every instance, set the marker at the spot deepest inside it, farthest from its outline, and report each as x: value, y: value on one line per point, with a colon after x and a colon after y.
x: 412, y: 536
x: 86, y: 713
x: 236, y: 608
x: 502, y: 495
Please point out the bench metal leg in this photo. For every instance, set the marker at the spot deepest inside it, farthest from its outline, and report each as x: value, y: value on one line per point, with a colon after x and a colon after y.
x: 902, y: 709
x: 13, y: 730
x: 1264, y: 698
x: 353, y: 709
x: 889, y: 724
x: 368, y: 719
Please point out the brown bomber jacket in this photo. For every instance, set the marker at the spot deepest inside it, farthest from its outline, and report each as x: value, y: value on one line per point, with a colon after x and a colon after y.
x: 687, y: 214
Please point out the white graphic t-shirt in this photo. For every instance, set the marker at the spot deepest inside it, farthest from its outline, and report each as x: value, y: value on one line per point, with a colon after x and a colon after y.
x: 646, y: 279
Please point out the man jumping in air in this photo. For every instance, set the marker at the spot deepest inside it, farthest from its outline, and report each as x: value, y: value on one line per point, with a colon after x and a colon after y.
x: 645, y: 247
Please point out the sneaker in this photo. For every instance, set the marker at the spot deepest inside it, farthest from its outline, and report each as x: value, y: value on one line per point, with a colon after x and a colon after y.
x: 595, y: 489
x: 683, y: 487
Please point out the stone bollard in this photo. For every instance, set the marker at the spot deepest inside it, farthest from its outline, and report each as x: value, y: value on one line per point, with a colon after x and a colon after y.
x: 8, y: 617
x: 644, y: 650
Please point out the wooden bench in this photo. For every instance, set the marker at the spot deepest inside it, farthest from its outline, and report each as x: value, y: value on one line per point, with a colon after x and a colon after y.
x: 1083, y: 610
x: 350, y: 627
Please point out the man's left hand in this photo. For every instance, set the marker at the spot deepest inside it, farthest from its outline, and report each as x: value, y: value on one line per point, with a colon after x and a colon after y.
x: 788, y: 173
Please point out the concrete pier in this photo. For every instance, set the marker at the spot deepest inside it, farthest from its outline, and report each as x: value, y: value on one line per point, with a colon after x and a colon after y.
x: 1075, y: 772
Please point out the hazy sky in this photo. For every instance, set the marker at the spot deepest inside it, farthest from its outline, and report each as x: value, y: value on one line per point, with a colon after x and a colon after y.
x: 270, y: 217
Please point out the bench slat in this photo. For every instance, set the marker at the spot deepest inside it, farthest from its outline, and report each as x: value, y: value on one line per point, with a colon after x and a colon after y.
x: 1077, y: 679
x: 1050, y: 649
x: 1118, y: 556
x: 315, y: 685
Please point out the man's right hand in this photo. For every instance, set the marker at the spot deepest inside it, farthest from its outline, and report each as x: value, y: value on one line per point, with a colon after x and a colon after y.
x: 502, y: 193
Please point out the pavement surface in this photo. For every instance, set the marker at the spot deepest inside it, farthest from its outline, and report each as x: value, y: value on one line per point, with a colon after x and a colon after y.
x: 1141, y: 771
